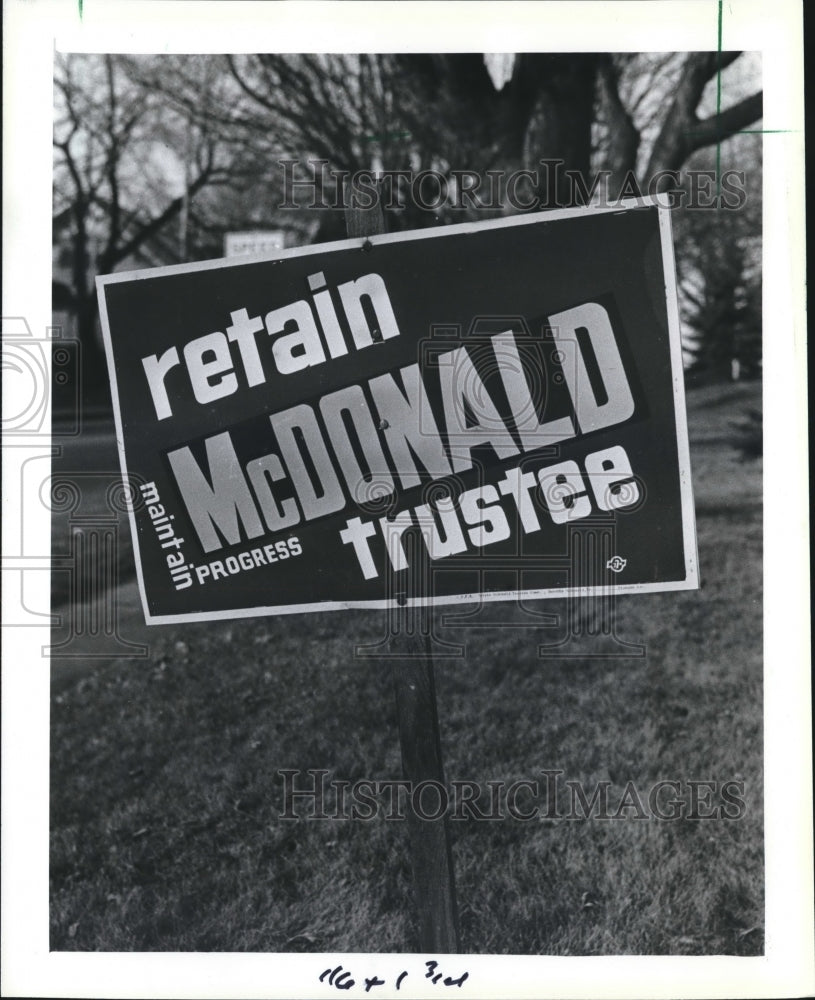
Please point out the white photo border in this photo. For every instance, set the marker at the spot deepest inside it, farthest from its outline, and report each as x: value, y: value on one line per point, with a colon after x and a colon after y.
x: 773, y: 27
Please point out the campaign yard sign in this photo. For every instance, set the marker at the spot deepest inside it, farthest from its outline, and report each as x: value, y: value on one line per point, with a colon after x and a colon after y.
x: 283, y: 421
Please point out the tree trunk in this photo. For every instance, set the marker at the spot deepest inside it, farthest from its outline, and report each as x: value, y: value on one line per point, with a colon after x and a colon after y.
x: 682, y: 131
x: 560, y: 126
x: 623, y: 136
x: 95, y: 385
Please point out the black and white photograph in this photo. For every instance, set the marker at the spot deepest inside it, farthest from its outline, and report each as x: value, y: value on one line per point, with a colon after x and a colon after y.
x: 405, y: 564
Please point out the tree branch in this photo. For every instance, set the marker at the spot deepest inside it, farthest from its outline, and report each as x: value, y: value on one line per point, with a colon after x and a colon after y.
x: 679, y: 135
x: 623, y: 136
x: 154, y: 225
x: 720, y: 127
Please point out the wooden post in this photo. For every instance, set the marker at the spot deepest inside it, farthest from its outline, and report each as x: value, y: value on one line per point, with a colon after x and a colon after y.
x: 409, y: 654
x: 414, y: 680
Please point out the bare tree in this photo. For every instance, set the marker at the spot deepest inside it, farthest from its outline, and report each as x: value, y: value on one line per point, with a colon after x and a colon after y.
x: 126, y: 166
x: 155, y: 157
x: 682, y: 131
x: 633, y: 115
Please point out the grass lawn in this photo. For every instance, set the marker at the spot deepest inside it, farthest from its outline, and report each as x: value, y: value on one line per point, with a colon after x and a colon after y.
x: 165, y: 797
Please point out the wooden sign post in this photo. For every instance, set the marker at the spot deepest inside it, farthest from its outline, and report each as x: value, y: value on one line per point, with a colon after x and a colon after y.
x: 409, y: 652
x: 431, y: 854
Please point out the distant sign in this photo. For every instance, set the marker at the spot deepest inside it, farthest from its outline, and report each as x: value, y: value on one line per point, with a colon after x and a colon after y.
x: 498, y: 386
x: 253, y: 243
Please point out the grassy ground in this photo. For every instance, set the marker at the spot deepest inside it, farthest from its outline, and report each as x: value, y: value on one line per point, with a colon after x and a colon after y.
x: 165, y: 798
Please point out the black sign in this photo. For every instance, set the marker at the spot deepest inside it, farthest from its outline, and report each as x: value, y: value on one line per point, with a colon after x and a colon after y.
x: 500, y: 387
